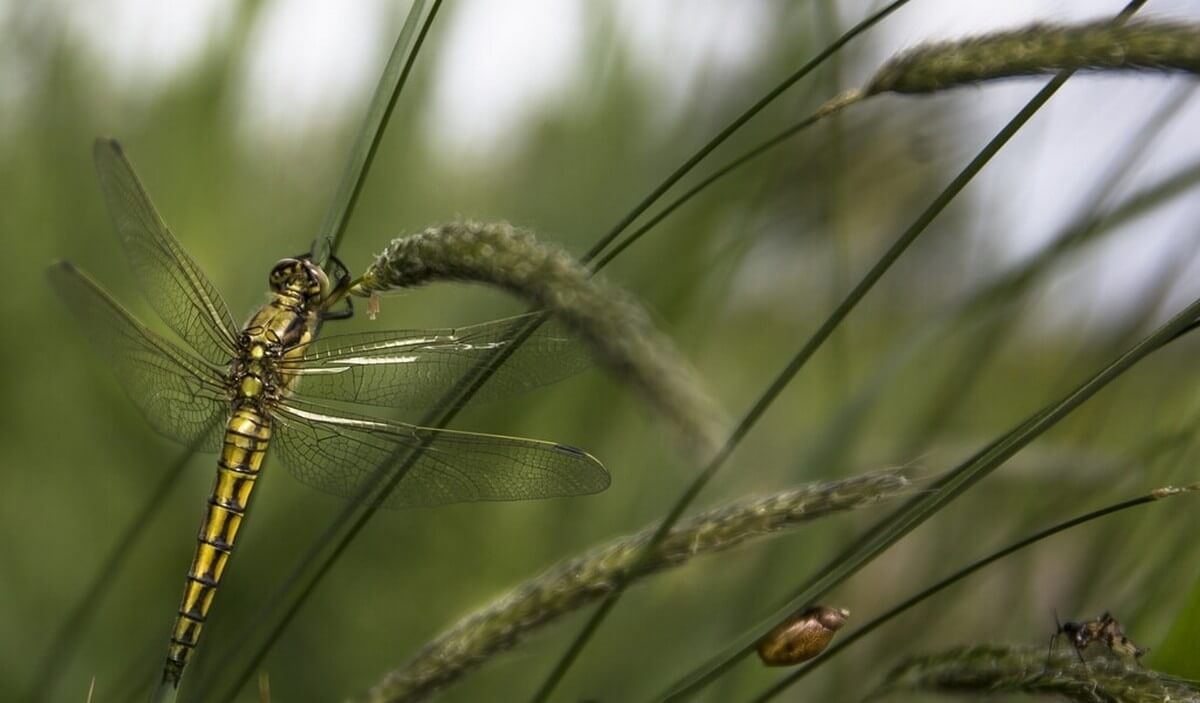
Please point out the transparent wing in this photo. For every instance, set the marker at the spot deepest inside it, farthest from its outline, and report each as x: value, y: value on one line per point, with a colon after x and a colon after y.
x: 414, y: 368
x: 176, y: 287
x: 181, y: 396
x: 337, y: 453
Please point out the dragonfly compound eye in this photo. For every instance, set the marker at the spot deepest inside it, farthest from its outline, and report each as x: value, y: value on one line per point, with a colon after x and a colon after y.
x: 301, y: 277
x: 316, y: 279
x: 285, y: 273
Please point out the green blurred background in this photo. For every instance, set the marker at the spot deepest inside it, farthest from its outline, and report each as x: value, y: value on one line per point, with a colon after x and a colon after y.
x: 739, y: 278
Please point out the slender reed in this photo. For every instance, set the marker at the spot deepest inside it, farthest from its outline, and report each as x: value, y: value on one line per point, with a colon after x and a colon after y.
x: 457, y: 398
x: 891, y: 529
x: 615, y: 327
x: 395, y: 76
x: 991, y: 669
x: 69, y: 634
x: 1144, y: 59
x: 1153, y: 496
x: 931, y: 65
x: 578, y: 581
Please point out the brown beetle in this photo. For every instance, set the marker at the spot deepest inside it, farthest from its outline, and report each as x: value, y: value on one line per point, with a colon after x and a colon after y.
x: 802, y: 636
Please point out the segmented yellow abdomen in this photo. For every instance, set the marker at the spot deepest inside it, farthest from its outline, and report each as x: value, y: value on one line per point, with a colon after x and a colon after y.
x: 246, y: 436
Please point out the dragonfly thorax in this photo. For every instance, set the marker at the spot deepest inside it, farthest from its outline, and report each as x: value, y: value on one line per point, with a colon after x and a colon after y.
x: 254, y: 375
x: 278, y: 331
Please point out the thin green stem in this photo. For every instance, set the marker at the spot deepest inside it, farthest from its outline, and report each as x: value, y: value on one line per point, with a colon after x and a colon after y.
x: 67, y: 639
x: 399, y: 66
x: 387, y: 478
x: 959, y: 575
x: 695, y: 190
x: 884, y: 535
x: 737, y: 124
x: 584, y: 636
x: 395, y: 75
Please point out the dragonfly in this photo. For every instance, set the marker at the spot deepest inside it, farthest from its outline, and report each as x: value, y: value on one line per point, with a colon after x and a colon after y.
x: 275, y: 383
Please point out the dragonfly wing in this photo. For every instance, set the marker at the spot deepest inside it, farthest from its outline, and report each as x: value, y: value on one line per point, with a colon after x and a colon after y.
x: 414, y: 368
x: 181, y: 396
x: 174, y: 284
x: 339, y: 453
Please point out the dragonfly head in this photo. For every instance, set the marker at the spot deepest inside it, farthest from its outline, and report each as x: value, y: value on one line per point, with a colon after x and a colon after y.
x: 302, y: 278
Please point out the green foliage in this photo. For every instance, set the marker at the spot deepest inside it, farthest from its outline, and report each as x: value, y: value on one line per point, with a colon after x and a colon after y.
x: 1177, y: 653
x: 932, y: 365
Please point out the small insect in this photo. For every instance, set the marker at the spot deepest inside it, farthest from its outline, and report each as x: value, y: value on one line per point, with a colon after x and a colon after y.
x: 802, y: 636
x: 1104, y: 629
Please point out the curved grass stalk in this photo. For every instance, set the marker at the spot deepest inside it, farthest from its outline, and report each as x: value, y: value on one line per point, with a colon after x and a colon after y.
x: 844, y: 101
x: 990, y: 669
x: 905, y: 519
x: 1036, y: 49
x: 1145, y: 45
x: 578, y: 581
x: 615, y: 327
x: 946, y: 489
x: 1013, y: 67
x: 319, y: 564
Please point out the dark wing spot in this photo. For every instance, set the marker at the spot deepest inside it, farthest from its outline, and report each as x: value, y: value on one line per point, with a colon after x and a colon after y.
x: 568, y: 449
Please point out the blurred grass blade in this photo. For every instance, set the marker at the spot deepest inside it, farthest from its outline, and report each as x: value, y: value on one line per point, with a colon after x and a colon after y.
x: 581, y: 640
x: 892, y: 529
x: 1083, y: 231
x: 404, y: 54
x: 395, y: 75
x: 460, y: 395
x: 136, y: 681
x: 733, y: 165
x: 325, y: 244
x: 1177, y: 653
x: 805, y: 353
x: 1085, y: 227
x: 737, y: 124
x: 847, y: 640
x: 956, y: 482
x: 579, y: 580
x: 68, y: 637
x: 397, y: 70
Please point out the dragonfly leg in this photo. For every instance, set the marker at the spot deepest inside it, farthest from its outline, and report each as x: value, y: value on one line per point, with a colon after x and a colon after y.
x: 342, y: 314
x: 337, y: 270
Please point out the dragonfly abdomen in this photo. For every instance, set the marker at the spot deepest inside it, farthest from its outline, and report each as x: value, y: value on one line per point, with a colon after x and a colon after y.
x: 246, y: 437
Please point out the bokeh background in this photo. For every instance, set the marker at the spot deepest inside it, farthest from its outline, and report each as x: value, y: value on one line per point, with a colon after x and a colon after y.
x: 560, y: 116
